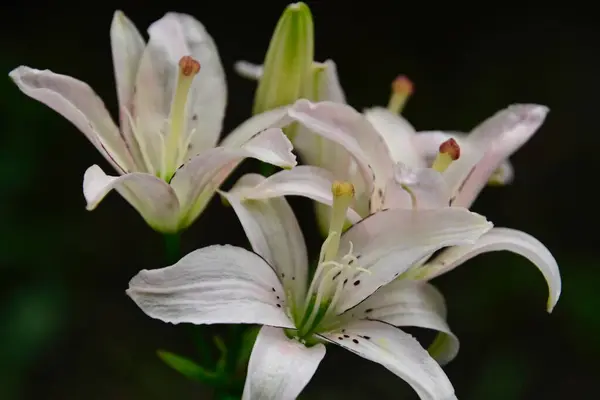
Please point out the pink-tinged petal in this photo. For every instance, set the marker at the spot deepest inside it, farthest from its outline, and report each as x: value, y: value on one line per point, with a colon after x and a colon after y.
x: 280, y: 367
x: 197, y: 180
x: 78, y: 103
x: 398, y: 352
x: 399, y: 136
x: 419, y: 188
x: 494, y: 141
x: 499, y: 239
x: 127, y: 48
x: 152, y: 197
x: 390, y: 242
x: 212, y: 285
x: 347, y: 127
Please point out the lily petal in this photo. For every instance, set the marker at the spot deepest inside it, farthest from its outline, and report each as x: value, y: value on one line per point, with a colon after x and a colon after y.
x: 197, y: 180
x: 280, y: 367
x: 499, y: 239
x: 389, y: 242
x: 399, y: 136
x: 152, y: 197
x: 304, y: 180
x: 78, y: 103
x: 344, y: 125
x: 316, y: 149
x: 249, y: 70
x: 208, y: 95
x: 495, y: 140
x: 274, y: 233
x: 420, y: 188
x: 127, y: 48
x: 172, y: 37
x: 276, y: 118
x: 212, y: 285
x: 406, y: 302
x: 399, y: 352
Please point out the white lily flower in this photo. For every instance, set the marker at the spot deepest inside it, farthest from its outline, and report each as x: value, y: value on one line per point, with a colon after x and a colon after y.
x: 172, y: 98
x: 388, y: 184
x: 340, y: 304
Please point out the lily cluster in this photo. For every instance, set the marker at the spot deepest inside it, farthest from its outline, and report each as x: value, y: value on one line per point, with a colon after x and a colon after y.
x: 392, y: 202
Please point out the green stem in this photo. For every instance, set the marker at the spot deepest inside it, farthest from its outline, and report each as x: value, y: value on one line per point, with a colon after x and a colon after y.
x: 267, y: 169
x: 172, y: 247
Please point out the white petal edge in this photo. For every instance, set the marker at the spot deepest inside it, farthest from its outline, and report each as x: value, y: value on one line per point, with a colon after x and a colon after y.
x: 197, y: 180
x: 152, y: 197
x: 77, y: 102
x: 212, y: 285
x: 390, y: 242
x: 406, y: 302
x: 499, y: 239
x: 182, y: 35
x: 399, y: 352
x: 280, y: 367
x: 303, y: 180
x: 248, y: 70
x: 127, y: 45
x: 276, y: 118
x: 274, y: 233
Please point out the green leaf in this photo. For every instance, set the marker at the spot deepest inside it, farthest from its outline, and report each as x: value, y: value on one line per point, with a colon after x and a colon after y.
x: 190, y: 368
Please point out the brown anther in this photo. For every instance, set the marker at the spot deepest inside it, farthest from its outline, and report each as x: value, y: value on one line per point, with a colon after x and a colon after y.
x: 451, y: 148
x: 402, y: 85
x: 189, y: 66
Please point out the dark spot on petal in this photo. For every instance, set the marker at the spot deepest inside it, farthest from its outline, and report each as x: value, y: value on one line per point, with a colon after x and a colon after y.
x: 368, y: 310
x: 355, y: 341
x: 277, y: 297
x: 358, y: 256
x: 282, y: 275
x: 278, y: 305
x: 350, y: 262
x: 336, y: 275
x: 346, y: 336
x: 194, y: 117
x: 343, y: 330
x: 293, y: 278
x: 345, y: 281
x: 273, y: 289
x: 367, y: 337
x: 356, y: 283
x: 341, y: 338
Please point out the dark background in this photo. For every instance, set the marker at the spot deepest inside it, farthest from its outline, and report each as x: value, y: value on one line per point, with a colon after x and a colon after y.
x: 67, y: 329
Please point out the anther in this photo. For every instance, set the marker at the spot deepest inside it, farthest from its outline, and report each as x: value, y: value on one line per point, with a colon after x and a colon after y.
x: 449, y: 151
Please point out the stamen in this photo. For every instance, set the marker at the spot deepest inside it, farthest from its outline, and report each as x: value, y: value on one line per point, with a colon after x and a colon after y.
x: 413, y: 197
x: 188, y: 69
x: 449, y: 151
x: 402, y: 88
x: 343, y: 194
